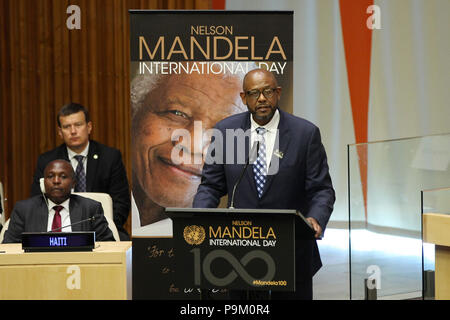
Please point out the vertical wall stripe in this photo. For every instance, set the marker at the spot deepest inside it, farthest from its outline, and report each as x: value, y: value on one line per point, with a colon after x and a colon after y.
x: 218, y: 4
x: 357, y: 44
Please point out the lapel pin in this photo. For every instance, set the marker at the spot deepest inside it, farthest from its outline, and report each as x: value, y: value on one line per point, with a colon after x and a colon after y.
x: 278, y: 153
x: 95, y: 156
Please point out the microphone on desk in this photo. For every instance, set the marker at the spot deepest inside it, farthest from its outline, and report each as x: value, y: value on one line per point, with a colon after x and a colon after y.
x: 75, y: 223
x: 251, y: 158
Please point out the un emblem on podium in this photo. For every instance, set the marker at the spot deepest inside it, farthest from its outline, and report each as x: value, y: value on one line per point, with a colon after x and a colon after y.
x: 194, y: 235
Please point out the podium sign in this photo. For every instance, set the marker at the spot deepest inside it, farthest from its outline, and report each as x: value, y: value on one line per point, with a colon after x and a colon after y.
x: 241, y: 249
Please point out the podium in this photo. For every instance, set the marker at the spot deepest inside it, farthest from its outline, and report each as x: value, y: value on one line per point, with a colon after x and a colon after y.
x: 104, y: 273
x: 237, y: 249
x: 436, y: 230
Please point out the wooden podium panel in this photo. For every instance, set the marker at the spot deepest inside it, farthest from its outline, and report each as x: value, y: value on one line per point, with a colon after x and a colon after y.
x: 436, y: 230
x: 103, y: 274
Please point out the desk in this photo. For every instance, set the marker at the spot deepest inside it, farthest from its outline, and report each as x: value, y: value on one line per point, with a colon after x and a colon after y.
x: 104, y: 273
x: 436, y: 229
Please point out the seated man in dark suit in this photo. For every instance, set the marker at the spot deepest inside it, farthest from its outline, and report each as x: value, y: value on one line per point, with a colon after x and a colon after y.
x: 59, y: 208
x: 98, y: 168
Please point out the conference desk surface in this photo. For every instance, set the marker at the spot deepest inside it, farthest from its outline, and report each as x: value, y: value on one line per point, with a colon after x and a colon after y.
x: 102, y: 274
x: 435, y: 230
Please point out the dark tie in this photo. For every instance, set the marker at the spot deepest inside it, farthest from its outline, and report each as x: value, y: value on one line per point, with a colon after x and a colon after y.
x: 260, y: 166
x: 80, y: 175
x: 56, y: 225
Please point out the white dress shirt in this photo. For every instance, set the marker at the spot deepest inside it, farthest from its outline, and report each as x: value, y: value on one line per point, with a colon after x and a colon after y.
x: 65, y: 216
x: 269, y: 136
x: 74, y: 161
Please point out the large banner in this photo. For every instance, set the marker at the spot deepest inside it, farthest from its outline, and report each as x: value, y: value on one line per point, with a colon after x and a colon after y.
x: 187, y: 69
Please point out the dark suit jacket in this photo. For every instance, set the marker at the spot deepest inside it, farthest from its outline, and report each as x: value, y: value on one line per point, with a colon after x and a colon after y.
x: 302, y: 181
x: 105, y: 173
x: 31, y: 215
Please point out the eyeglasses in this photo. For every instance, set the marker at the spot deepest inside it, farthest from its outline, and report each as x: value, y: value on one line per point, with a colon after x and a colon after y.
x: 267, y: 92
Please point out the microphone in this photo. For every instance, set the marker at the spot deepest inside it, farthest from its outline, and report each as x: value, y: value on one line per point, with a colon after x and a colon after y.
x: 252, y: 155
x: 72, y: 224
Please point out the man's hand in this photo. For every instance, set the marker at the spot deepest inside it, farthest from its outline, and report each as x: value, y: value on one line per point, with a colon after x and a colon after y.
x: 317, y: 228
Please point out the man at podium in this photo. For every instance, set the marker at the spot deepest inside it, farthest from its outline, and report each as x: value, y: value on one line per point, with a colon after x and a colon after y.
x: 57, y: 209
x: 301, y: 180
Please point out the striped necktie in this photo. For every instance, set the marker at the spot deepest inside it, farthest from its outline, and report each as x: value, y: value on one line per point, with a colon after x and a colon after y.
x: 260, y: 166
x: 80, y: 175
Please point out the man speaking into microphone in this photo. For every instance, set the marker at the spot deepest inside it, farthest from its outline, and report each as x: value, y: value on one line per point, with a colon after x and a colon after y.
x: 57, y: 209
x: 300, y: 180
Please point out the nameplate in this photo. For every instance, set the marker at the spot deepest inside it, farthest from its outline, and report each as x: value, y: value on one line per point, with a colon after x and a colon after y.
x: 58, y: 241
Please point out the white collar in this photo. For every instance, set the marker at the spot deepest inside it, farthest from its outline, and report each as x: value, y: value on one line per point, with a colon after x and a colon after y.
x: 271, y: 126
x: 64, y: 204
x: 83, y: 153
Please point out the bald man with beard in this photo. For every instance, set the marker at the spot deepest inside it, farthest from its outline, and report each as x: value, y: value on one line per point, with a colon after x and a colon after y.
x: 38, y: 213
x: 291, y: 172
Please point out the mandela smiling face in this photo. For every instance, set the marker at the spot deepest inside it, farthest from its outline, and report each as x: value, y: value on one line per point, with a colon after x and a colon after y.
x: 176, y: 103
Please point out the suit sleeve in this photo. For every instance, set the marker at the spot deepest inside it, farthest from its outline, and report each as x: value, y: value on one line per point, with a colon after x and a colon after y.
x: 213, y: 185
x: 119, y: 191
x: 100, y: 225
x: 318, y: 186
x: 16, y: 227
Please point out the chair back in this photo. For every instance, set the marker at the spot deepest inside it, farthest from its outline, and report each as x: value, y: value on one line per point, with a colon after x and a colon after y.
x: 107, y: 204
x: 2, y: 233
x: 2, y: 204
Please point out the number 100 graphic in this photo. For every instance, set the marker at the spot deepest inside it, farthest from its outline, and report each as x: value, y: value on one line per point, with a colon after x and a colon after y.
x: 237, y: 265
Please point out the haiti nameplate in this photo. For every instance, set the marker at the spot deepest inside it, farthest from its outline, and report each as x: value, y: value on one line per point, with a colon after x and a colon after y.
x: 58, y: 241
